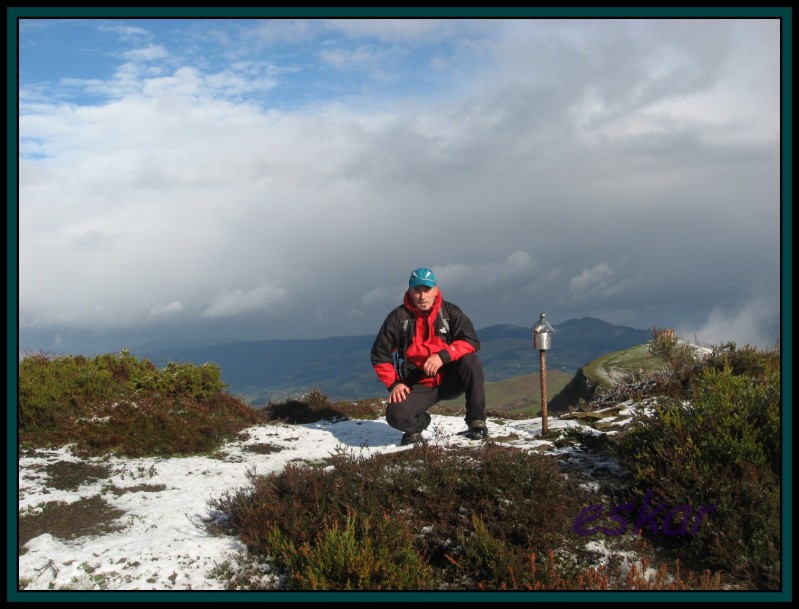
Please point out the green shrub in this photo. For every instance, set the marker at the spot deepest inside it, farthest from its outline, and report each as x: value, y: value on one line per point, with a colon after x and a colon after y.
x: 53, y: 391
x: 365, y: 552
x: 680, y: 358
x: 118, y: 403
x: 490, y: 562
x: 723, y: 449
x: 198, y: 383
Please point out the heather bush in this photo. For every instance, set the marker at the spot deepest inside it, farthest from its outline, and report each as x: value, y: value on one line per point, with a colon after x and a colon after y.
x: 501, y: 504
x: 676, y: 354
x: 681, y: 360
x: 198, y: 383
x: 364, y: 552
x: 53, y: 392
x: 117, y: 403
x: 720, y: 447
x: 488, y: 562
x: 746, y: 361
x: 491, y: 518
x: 308, y: 408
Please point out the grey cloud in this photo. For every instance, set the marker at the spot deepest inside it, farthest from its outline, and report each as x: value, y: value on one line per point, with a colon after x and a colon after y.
x: 589, y: 173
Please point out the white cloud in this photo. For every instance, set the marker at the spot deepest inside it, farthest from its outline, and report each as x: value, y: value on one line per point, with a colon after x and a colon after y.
x: 381, y: 296
x: 477, y: 276
x: 597, y: 282
x: 125, y: 32
x: 280, y: 31
x: 345, y: 58
x: 166, y: 310
x: 392, y: 30
x: 151, y: 52
x: 93, y: 239
x: 258, y: 165
x: 751, y: 323
x: 228, y: 303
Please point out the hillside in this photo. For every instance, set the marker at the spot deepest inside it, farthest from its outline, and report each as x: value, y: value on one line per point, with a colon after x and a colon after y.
x: 518, y: 396
x: 606, y: 372
x: 260, y: 371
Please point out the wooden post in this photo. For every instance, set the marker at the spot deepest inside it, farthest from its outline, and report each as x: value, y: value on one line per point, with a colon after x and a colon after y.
x: 544, y: 416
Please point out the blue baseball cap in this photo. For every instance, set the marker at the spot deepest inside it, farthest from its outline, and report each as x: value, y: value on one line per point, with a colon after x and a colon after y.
x: 422, y: 276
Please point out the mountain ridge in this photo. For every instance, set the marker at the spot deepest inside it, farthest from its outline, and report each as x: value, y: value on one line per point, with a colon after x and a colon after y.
x: 340, y: 366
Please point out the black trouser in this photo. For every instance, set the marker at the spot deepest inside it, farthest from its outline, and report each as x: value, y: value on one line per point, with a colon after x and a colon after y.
x: 461, y: 376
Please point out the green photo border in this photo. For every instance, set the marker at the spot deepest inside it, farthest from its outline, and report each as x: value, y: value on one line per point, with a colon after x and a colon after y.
x: 14, y: 14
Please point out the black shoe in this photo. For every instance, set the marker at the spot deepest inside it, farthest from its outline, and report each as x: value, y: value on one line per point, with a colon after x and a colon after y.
x: 411, y: 438
x: 476, y: 433
x: 477, y: 430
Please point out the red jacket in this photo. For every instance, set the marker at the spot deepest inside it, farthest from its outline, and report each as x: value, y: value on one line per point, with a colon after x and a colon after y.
x: 398, y: 353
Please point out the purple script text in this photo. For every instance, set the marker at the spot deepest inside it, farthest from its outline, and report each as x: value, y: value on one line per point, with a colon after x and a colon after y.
x: 624, y: 515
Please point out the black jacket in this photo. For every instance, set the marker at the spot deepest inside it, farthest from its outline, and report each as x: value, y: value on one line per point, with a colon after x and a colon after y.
x: 408, y: 337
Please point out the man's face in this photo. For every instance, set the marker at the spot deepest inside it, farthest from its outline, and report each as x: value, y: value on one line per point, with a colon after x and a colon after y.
x: 423, y: 297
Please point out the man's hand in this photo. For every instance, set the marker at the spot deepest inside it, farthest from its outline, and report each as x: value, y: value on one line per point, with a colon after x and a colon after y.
x: 432, y: 365
x: 399, y: 393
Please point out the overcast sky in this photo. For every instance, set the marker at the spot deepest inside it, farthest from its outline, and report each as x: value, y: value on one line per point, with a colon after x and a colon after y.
x: 261, y: 179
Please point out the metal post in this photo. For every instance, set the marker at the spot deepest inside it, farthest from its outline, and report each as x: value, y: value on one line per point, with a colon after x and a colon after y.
x: 542, y: 340
x: 542, y: 358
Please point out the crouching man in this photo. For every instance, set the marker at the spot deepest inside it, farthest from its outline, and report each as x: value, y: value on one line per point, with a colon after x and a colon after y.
x: 425, y: 352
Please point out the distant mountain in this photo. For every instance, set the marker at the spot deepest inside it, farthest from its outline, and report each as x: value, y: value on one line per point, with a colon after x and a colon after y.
x: 340, y: 367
